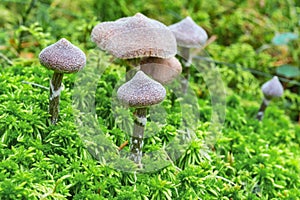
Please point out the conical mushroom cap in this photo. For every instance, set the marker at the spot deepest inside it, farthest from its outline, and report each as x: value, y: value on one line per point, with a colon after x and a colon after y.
x: 63, y: 57
x: 161, y: 70
x: 133, y: 37
x: 141, y: 91
x: 272, y: 88
x: 188, y: 34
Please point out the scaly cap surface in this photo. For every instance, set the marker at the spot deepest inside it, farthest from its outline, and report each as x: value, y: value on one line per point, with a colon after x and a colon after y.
x: 272, y: 88
x: 63, y: 57
x: 134, y: 37
x: 188, y: 34
x: 141, y: 91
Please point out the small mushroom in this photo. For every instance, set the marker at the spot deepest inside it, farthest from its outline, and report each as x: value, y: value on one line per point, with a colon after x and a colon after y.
x: 161, y: 70
x: 61, y: 57
x: 188, y: 35
x: 271, y: 89
x: 140, y: 92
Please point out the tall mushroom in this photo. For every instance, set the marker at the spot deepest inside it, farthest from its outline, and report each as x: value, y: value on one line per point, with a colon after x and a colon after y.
x: 61, y: 57
x: 188, y: 35
x: 162, y: 70
x: 140, y: 92
x: 135, y: 37
x: 271, y: 89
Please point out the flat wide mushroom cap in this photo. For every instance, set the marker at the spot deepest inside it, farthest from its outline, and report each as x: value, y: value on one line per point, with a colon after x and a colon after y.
x: 134, y: 37
x: 272, y: 88
x: 161, y: 70
x: 63, y: 57
x: 141, y: 91
x: 188, y: 34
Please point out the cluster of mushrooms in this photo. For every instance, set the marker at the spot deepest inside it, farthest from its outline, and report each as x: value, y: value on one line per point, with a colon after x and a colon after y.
x: 149, y: 42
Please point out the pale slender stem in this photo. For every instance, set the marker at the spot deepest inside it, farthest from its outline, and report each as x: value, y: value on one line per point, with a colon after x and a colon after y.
x: 186, y: 68
x: 137, y: 139
x: 262, y: 109
x: 55, y: 89
x: 187, y: 56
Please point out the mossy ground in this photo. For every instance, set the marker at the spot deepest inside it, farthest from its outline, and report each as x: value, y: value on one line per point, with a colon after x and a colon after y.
x: 249, y: 159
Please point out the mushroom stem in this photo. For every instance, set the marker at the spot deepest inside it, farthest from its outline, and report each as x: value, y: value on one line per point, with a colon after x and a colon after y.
x: 262, y: 109
x: 132, y: 63
x: 186, y: 68
x: 55, y: 89
x: 138, y: 135
x: 186, y: 55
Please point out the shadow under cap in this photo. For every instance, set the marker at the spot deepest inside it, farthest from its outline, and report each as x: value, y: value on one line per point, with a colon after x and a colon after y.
x: 161, y: 70
x: 272, y: 88
x: 141, y: 91
x: 133, y: 37
x: 188, y: 34
x: 63, y: 57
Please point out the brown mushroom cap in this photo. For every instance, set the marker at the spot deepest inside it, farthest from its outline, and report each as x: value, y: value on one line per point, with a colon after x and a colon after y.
x: 188, y: 34
x: 272, y: 88
x: 141, y: 91
x: 133, y: 37
x: 63, y: 57
x: 161, y: 70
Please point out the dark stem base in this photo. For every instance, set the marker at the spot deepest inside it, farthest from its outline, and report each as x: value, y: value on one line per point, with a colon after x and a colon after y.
x: 262, y: 109
x: 137, y: 139
x: 55, y: 88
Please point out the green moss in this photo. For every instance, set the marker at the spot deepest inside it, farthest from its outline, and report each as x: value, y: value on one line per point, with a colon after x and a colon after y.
x: 78, y: 159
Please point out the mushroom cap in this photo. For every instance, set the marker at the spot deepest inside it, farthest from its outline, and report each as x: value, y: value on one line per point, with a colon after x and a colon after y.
x: 188, y: 34
x: 161, y: 70
x: 141, y: 91
x: 134, y: 37
x: 272, y: 88
x: 63, y: 57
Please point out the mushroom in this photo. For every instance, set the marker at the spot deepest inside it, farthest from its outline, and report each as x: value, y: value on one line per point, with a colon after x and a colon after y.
x: 61, y: 57
x: 161, y: 70
x: 188, y: 35
x: 135, y: 37
x: 271, y: 89
x: 140, y: 92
